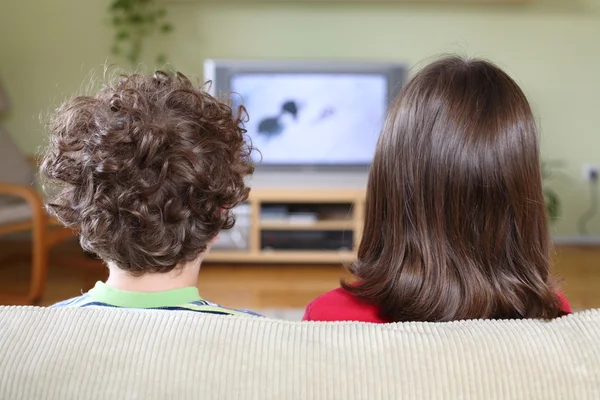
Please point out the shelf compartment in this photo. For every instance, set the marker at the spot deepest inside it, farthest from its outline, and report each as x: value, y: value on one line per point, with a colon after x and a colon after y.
x: 302, y: 213
x: 317, y: 225
x: 306, y: 240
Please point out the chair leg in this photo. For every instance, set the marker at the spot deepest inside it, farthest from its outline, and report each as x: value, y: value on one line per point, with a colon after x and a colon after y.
x: 39, y: 271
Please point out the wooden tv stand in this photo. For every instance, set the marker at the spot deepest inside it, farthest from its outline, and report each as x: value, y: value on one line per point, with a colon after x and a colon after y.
x: 329, y: 210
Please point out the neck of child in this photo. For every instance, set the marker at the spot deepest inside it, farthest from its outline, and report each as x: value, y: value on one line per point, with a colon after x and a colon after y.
x: 184, y: 275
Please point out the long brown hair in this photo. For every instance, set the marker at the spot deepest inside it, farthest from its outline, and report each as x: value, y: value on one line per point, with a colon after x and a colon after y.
x: 455, y: 225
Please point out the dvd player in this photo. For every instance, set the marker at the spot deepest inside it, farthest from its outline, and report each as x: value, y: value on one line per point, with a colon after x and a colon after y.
x: 306, y: 240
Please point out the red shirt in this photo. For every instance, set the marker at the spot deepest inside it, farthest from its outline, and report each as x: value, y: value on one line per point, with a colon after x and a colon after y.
x: 340, y: 305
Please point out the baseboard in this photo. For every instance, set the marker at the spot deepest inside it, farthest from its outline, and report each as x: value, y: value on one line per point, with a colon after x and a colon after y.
x: 577, y: 240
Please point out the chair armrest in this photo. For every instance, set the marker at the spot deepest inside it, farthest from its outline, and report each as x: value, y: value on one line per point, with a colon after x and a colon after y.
x: 39, y: 222
x: 27, y: 193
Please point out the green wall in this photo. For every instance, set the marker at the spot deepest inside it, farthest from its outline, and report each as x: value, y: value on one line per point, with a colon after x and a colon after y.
x: 551, y: 47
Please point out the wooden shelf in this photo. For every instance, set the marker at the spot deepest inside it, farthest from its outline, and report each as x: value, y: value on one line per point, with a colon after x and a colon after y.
x: 354, y: 198
x: 308, y: 226
x: 282, y: 256
x: 306, y: 195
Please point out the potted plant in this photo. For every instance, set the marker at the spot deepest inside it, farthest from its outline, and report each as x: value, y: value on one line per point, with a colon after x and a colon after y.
x: 551, y: 199
x: 134, y: 21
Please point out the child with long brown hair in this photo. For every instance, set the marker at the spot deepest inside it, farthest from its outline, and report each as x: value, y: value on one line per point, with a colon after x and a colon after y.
x: 455, y: 224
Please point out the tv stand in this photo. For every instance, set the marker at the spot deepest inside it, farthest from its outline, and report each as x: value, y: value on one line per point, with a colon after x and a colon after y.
x: 304, y: 226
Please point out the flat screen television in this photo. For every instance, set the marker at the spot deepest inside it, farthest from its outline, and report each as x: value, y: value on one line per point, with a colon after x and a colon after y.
x: 310, y: 114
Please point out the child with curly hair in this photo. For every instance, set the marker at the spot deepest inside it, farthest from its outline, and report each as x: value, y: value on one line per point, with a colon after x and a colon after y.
x: 147, y: 172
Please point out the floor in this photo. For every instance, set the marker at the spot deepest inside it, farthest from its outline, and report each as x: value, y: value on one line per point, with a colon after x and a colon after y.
x: 265, y: 287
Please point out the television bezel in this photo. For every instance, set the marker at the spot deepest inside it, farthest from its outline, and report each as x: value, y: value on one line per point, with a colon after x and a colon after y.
x: 218, y: 72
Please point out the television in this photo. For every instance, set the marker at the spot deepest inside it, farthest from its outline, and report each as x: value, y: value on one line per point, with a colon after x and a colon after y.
x: 310, y: 114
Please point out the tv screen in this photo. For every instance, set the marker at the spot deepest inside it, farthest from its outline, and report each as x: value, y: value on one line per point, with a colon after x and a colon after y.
x: 320, y: 119
x: 310, y: 114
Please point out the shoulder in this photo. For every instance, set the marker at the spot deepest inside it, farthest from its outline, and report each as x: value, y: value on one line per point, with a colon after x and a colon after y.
x: 340, y: 305
x: 205, y: 306
x: 245, y: 311
x: 78, y: 301
x: 564, y: 303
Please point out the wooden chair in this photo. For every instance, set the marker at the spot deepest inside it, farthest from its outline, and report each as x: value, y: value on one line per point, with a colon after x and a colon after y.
x: 22, y: 209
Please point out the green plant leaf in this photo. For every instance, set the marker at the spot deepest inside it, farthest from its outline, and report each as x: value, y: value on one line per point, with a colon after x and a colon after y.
x: 122, y: 35
x: 551, y: 198
x: 121, y: 5
x: 115, y: 5
x: 161, y: 60
x: 552, y: 204
x: 135, y: 18
x: 166, y: 27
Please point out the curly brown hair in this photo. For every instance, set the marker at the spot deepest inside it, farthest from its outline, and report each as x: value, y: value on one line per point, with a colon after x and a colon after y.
x: 147, y: 170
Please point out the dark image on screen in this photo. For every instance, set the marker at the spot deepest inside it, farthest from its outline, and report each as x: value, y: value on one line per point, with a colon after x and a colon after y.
x: 318, y: 119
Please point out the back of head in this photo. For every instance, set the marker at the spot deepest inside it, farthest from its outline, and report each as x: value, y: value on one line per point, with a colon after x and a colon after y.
x: 147, y: 170
x: 455, y: 220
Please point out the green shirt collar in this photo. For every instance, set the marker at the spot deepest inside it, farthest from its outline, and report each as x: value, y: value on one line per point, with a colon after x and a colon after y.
x: 123, y: 298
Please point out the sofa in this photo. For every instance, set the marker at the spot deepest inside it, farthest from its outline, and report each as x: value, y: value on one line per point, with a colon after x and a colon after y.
x: 103, y: 353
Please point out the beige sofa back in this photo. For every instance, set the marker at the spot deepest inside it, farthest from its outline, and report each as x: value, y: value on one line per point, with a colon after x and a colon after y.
x: 102, y: 353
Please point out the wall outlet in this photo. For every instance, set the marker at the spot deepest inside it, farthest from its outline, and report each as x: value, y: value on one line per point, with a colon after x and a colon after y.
x: 590, y: 172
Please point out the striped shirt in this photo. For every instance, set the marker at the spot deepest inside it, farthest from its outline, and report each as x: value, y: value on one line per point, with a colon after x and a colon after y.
x: 184, y: 299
